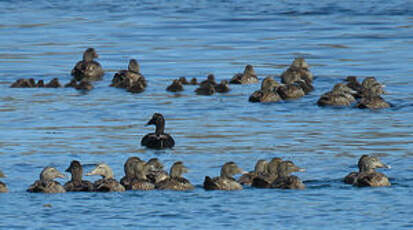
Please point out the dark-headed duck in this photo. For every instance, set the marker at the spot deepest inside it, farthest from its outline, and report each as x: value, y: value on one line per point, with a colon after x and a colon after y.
x: 290, y: 91
x: 285, y: 180
x: 129, y: 168
x: 46, y: 184
x: 367, y: 176
x: 176, y: 86
x: 76, y: 184
x: 372, y: 102
x: 247, y: 77
x: 159, y: 139
x: 265, y: 179
x: 260, y: 168
x: 175, y: 180
x: 88, y: 69
x: 225, y: 181
x: 54, y: 83
x: 108, y: 182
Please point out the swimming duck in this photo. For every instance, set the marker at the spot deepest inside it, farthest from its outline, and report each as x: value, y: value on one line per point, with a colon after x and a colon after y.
x: 372, y: 86
x: 354, y: 84
x: 84, y: 85
x: 225, y: 181
x: 351, y: 177
x: 260, y: 168
x: 209, y: 81
x: 205, y: 89
x: 248, y: 77
x: 298, y: 70
x: 76, y: 184
x: 265, y: 179
x: 290, y: 91
x: 140, y: 181
x: 108, y: 182
x: 71, y: 84
x: 368, y: 177
x: 341, y: 95
x: 155, y: 171
x: 305, y: 85
x: 159, y: 139
x: 3, y: 186
x: 193, y: 81
x: 88, y: 69
x: 222, y: 87
x: 372, y: 102
x: 285, y: 180
x: 176, y: 86
x: 136, y: 87
x: 54, y: 83
x: 175, y: 180
x: 129, y: 168
x: 23, y: 83
x: 126, y: 78
x: 267, y: 93
x: 46, y: 184
x: 40, y: 84
x: 183, y: 81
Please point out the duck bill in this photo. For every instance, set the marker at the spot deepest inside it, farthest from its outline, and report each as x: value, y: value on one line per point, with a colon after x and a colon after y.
x: 386, y: 166
x: 151, y: 122
x: 60, y: 175
x: 93, y: 172
x: 300, y: 169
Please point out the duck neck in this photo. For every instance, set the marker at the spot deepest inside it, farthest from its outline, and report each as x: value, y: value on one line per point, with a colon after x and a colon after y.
x: 366, y: 169
x: 174, y: 173
x: 108, y: 175
x: 160, y: 127
x: 77, y: 176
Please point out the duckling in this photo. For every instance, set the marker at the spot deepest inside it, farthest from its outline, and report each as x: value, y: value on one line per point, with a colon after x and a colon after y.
x: 155, y: 171
x: 46, y: 184
x: 193, y: 81
x: 260, y: 168
x: 341, y: 95
x: 40, y: 84
x: 209, y: 81
x: 3, y: 186
x: 129, y: 168
x: 222, y: 87
x: 351, y: 177
x: 159, y: 139
x: 71, y: 84
x: 126, y: 78
x: 88, y: 69
x: 290, y: 91
x: 225, y: 181
x: 176, y: 86
x: 54, y: 83
x: 368, y: 177
x: 136, y: 87
x: 248, y: 77
x: 140, y: 181
x: 298, y: 70
x: 265, y: 179
x: 23, y: 83
x: 108, y: 182
x: 267, y: 93
x: 77, y: 184
x: 285, y: 180
x: 372, y: 102
x: 175, y: 180
x: 183, y: 81
x: 205, y: 89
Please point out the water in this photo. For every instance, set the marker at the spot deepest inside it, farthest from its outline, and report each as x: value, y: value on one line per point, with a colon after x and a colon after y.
x: 41, y: 127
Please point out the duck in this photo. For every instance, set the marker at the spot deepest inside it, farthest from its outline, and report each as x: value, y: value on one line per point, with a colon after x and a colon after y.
x: 155, y: 171
x: 108, y: 182
x: 84, y: 85
x: 372, y: 102
x: 126, y: 78
x: 136, y: 87
x: 209, y: 81
x: 368, y: 177
x: 3, y: 186
x: 205, y: 89
x: 298, y: 70
x: 88, y: 68
x: 193, y: 81
x: 260, y: 168
x: 129, y: 169
x: 54, y: 83
x: 76, y: 184
x: 71, y: 84
x: 351, y: 177
x: 353, y: 84
x: 247, y: 77
x: 159, y: 139
x: 225, y: 181
x: 285, y: 180
x: 175, y: 180
x: 140, y: 181
x: 290, y: 91
x: 23, y: 83
x: 370, y: 85
x: 341, y: 95
x: 46, y: 184
x: 176, y: 86
x: 40, y: 84
x: 265, y: 179
x: 267, y: 93
x: 222, y: 87
x: 183, y: 81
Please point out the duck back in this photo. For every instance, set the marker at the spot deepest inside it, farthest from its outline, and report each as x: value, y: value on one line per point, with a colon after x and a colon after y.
x: 373, y: 179
x: 83, y: 186
x: 154, y: 141
x: 176, y: 183
x: 108, y: 185
x: 46, y: 187
x: 290, y: 182
x: 88, y: 70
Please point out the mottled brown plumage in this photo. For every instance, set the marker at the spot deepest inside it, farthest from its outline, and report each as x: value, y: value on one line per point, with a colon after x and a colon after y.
x: 76, y: 184
x: 175, y: 180
x: 285, y: 180
x: 247, y: 77
x: 367, y: 176
x: 88, y: 69
x: 260, y: 169
x: 46, y: 184
x: 108, y: 182
x: 225, y: 181
x: 176, y: 86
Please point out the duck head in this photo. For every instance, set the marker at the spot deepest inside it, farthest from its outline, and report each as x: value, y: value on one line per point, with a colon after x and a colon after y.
x: 129, y: 166
x: 269, y: 84
x: 229, y: 169
x: 299, y: 63
x: 372, y: 86
x: 141, y: 170
x: 158, y: 121
x: 89, y: 54
x: 133, y: 66
x: 369, y: 163
x: 261, y: 166
x: 287, y: 167
x: 50, y: 173
x: 249, y: 69
x: 76, y: 169
x: 154, y: 164
x: 177, y: 169
x: 103, y: 170
x: 351, y: 79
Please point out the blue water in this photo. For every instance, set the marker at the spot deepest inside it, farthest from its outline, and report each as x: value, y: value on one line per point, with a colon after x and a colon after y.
x: 41, y: 127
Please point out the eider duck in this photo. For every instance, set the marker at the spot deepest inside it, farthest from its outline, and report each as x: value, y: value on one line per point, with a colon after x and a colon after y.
x: 54, y: 83
x: 3, y: 186
x: 129, y: 169
x: 205, y: 89
x: 88, y: 69
x: 285, y: 180
x: 193, y: 81
x: 368, y: 177
x: 46, y: 184
x: 264, y: 180
x: 267, y: 93
x: 225, y: 181
x: 209, y: 81
x: 372, y: 86
x: 353, y: 84
x: 159, y: 139
x: 155, y: 172
x: 23, y: 83
x: 108, y: 182
x: 248, y: 77
x: 260, y: 168
x: 351, y: 177
x: 175, y: 180
x: 140, y: 181
x: 372, y: 102
x: 76, y: 184
x: 127, y: 78
x: 298, y: 70
x: 222, y: 87
x: 341, y: 95
x: 290, y: 91
x: 176, y: 86
x: 183, y: 81
x: 136, y: 87
x: 84, y: 85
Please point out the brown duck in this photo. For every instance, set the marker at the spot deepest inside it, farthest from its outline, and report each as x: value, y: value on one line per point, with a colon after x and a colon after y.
x: 3, y: 186
x: 108, y: 182
x: 285, y: 180
x: 267, y: 93
x: 260, y: 169
x: 225, y: 181
x: 76, y: 184
x: 88, y: 68
x: 46, y: 184
x: 265, y: 179
x: 368, y: 177
x: 175, y: 180
x: 247, y: 77
x: 159, y: 139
